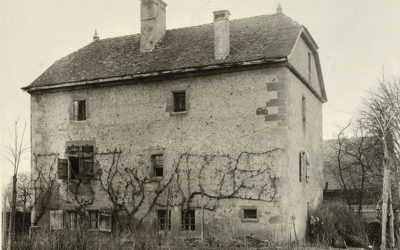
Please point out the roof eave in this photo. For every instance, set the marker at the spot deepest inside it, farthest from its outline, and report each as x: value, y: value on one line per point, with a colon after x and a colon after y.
x: 30, y: 88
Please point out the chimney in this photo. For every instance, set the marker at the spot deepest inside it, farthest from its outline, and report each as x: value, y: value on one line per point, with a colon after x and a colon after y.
x: 221, y: 34
x: 279, y: 9
x: 153, y: 21
x: 95, y: 36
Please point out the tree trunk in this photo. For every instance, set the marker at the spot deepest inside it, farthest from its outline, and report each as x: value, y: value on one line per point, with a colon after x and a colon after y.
x: 360, y: 205
x: 385, y: 197
x: 11, y: 228
x: 391, y: 221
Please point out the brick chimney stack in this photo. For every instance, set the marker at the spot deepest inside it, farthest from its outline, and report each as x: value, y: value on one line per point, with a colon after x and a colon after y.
x: 221, y: 34
x: 153, y: 23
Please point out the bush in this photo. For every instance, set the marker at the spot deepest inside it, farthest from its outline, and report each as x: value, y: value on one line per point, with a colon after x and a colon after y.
x: 337, y: 225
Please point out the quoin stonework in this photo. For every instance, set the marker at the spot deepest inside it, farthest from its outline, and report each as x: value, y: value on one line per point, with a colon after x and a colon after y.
x: 197, y: 130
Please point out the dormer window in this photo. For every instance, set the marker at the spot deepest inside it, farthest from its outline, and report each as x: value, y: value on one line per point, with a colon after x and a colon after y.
x: 79, y: 110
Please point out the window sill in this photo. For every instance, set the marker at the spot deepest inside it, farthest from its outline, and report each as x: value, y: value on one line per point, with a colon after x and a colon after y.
x: 178, y: 113
x: 157, y: 178
x: 249, y: 220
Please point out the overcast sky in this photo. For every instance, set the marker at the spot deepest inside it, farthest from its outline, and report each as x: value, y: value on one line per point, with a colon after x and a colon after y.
x: 357, y: 38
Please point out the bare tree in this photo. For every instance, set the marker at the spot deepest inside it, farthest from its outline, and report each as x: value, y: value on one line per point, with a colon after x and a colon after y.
x: 24, y: 195
x: 381, y: 117
x: 15, y: 151
x: 354, y: 162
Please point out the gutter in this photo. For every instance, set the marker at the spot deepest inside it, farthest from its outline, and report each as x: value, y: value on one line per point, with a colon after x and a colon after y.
x: 155, y: 74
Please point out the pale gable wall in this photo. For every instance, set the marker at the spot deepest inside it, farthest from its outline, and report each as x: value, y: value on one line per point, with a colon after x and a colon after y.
x: 299, y: 59
x: 222, y: 119
x: 304, y: 194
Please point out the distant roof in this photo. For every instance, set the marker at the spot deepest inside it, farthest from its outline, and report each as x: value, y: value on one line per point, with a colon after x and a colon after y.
x: 255, y: 38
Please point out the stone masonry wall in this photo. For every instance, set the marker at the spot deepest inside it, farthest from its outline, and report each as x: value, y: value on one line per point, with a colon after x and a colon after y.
x: 235, y: 125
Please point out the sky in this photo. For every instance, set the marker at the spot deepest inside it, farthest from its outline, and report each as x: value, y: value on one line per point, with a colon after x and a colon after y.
x: 358, y: 40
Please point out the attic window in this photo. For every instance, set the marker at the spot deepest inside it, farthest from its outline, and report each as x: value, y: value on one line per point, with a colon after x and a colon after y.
x: 79, y: 110
x: 179, y: 101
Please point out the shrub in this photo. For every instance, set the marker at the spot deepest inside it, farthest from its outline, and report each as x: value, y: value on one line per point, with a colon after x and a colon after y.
x: 337, y: 225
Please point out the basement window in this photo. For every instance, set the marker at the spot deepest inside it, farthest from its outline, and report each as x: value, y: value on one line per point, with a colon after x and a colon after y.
x: 158, y: 165
x: 188, y: 220
x: 250, y: 213
x: 164, y: 219
x: 79, y: 110
x: 179, y: 101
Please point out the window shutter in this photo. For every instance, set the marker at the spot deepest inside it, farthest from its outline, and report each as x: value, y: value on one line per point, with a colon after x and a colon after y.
x: 152, y: 164
x: 88, y: 167
x: 170, y: 102
x: 56, y: 219
x: 62, y: 169
x: 105, y: 222
x: 306, y: 167
x: 187, y: 100
x: 300, y: 166
x: 96, y: 169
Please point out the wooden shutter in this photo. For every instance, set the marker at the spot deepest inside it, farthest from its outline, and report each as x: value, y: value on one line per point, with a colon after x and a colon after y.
x: 62, y: 169
x: 88, y: 167
x: 56, y: 219
x: 170, y: 102
x: 96, y: 169
x: 105, y: 222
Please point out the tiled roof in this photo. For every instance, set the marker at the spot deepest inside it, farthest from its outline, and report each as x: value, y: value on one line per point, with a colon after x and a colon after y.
x: 254, y: 38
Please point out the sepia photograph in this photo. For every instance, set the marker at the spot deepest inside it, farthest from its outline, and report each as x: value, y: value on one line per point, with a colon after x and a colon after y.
x: 207, y: 124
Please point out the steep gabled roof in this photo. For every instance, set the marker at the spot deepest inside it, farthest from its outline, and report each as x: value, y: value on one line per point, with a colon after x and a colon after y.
x: 254, y: 38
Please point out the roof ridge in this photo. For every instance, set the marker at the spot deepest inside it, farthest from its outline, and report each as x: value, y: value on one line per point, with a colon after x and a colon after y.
x: 207, y: 24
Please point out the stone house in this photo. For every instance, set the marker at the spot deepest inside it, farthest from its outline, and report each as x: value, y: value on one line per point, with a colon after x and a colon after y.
x: 197, y: 130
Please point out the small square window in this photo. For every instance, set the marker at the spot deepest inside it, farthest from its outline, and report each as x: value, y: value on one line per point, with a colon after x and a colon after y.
x: 79, y: 110
x: 188, y: 220
x: 164, y: 221
x: 158, y: 165
x: 179, y: 101
x: 250, y: 213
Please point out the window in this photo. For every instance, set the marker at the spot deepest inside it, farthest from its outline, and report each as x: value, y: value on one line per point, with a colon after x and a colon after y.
x: 71, y: 219
x: 81, y: 161
x: 158, y: 165
x: 79, y: 110
x: 93, y: 219
x: 164, y: 221
x: 250, y: 213
x: 56, y: 219
x: 188, y: 220
x: 179, y: 101
x: 303, y: 113
x: 101, y: 221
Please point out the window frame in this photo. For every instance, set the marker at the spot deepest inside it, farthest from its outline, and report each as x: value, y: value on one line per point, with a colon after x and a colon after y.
x: 84, y: 158
x: 188, y: 216
x: 157, y: 163
x: 79, y: 113
x: 243, y: 216
x: 71, y: 219
x: 175, y: 95
x: 166, y: 226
